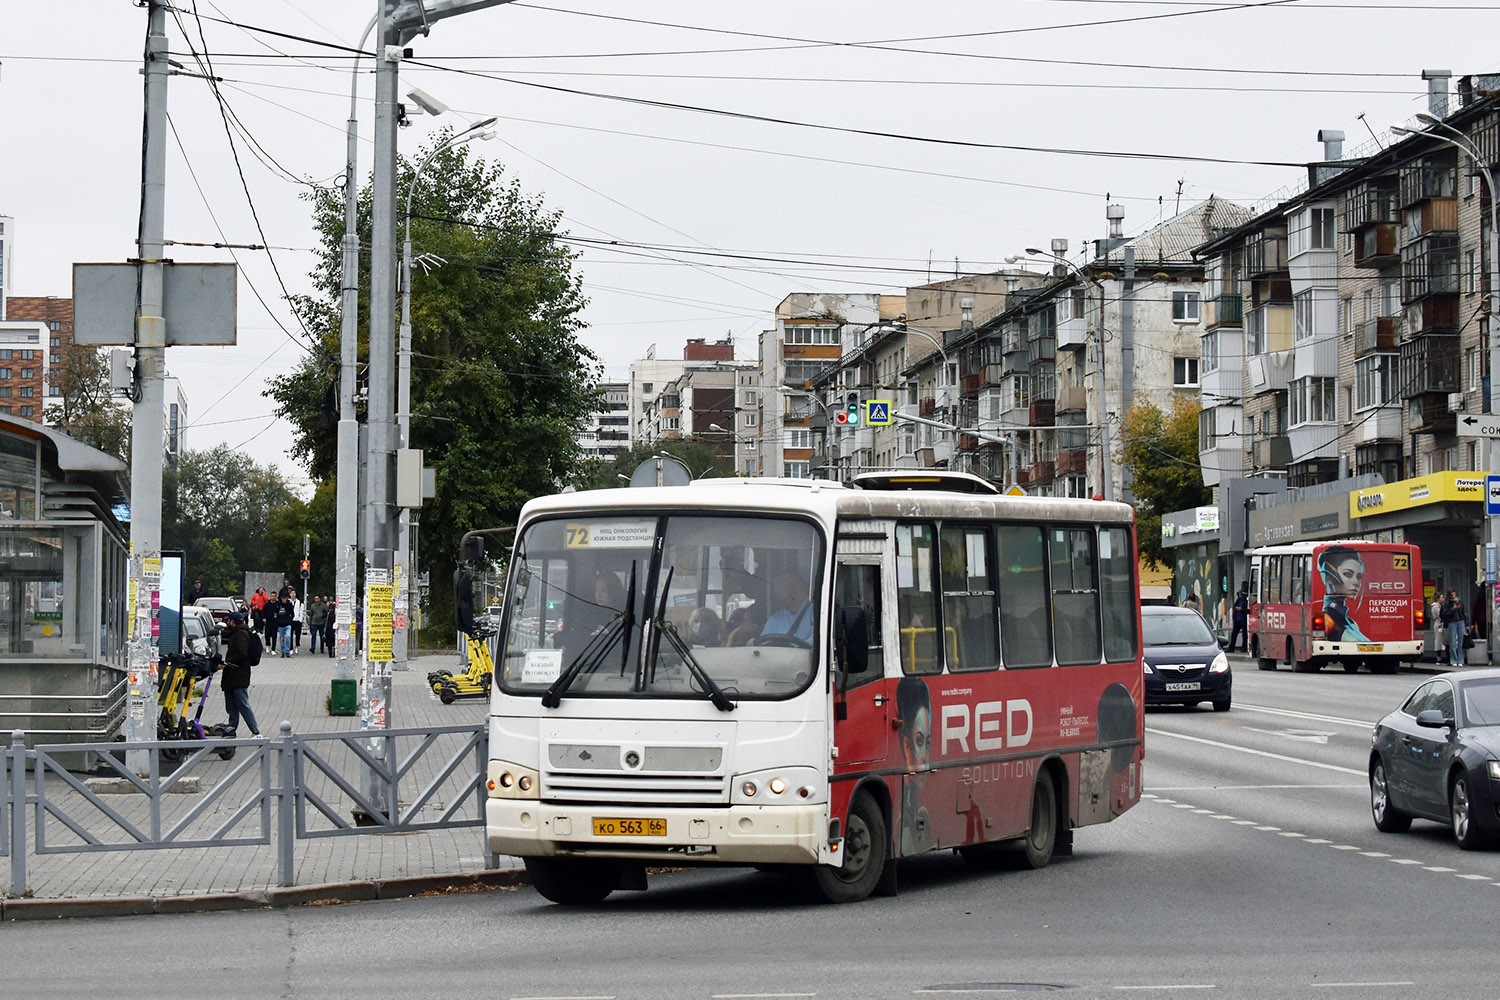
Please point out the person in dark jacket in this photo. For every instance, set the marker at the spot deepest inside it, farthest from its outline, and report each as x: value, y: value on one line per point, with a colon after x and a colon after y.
x: 1239, y: 616
x: 236, y: 670
x: 197, y: 591
x: 284, y: 626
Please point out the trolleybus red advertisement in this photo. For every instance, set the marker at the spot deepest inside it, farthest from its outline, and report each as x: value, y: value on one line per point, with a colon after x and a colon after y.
x: 1354, y: 603
x: 811, y: 676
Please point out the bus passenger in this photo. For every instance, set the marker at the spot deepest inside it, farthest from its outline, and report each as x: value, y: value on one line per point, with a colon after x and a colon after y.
x: 704, y: 628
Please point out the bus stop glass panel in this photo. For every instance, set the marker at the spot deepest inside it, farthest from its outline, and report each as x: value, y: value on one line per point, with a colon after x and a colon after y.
x: 47, y: 579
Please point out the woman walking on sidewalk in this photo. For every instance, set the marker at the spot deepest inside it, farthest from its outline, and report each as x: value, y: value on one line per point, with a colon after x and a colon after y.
x: 236, y: 670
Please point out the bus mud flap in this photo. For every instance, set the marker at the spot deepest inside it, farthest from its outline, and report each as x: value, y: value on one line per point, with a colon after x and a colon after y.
x: 887, y: 884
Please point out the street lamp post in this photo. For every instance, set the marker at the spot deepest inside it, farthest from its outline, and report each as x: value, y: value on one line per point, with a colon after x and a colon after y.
x: 833, y: 448
x: 1491, y: 178
x: 1105, y: 480
x: 405, y: 572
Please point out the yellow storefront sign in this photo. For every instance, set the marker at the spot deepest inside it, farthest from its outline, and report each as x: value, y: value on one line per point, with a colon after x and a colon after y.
x: 1439, y: 487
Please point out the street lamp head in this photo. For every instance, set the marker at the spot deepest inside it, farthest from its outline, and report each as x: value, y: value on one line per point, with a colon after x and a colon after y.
x: 1033, y: 251
x: 1423, y: 116
x: 1403, y: 130
x: 486, y: 123
x: 487, y: 134
x: 716, y: 427
x: 427, y: 102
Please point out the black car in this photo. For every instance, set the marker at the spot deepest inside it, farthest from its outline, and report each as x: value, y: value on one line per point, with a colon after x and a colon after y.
x: 1185, y: 661
x: 1438, y: 757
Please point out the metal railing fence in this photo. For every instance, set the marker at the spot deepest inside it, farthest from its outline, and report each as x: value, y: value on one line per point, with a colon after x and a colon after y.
x: 298, y: 786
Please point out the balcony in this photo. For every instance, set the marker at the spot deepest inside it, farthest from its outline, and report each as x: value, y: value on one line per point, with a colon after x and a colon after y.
x: 1072, y: 399
x: 1273, y: 452
x: 968, y: 442
x: 1269, y: 328
x: 1265, y: 254
x: 1438, y: 314
x: 1375, y: 335
x: 1380, y: 424
x: 1042, y: 349
x: 1431, y: 415
x: 1269, y: 372
x: 1371, y: 204
x: 926, y: 407
x: 1432, y: 217
x: 971, y: 385
x: 1429, y: 267
x: 1043, y: 413
x: 1075, y: 460
x: 1072, y: 333
x: 1375, y: 246
x: 993, y: 375
x: 1430, y: 364
x: 1225, y: 309
x: 1042, y: 473
x: 1434, y: 177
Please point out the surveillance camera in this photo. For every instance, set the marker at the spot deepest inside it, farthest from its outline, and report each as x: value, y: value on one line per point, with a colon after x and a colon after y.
x: 427, y: 102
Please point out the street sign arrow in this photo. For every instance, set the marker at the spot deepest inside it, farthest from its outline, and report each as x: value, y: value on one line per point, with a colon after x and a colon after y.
x: 1487, y: 426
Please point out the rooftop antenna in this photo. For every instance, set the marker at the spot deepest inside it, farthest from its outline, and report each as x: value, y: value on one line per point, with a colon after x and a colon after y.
x: 1361, y: 117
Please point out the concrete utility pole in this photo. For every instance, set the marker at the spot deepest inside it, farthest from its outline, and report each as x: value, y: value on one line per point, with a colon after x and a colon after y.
x: 346, y: 550
x: 146, y: 430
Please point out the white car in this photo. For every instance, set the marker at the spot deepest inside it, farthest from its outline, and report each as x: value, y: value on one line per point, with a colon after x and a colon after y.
x: 200, y: 632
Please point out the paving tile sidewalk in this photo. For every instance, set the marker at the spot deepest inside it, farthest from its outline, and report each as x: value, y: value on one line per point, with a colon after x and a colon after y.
x: 295, y: 690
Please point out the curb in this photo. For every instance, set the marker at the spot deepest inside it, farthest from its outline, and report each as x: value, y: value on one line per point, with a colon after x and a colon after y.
x: 306, y: 895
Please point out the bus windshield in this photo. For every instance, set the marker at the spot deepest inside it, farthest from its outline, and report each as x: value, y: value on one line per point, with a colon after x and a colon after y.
x: 676, y: 606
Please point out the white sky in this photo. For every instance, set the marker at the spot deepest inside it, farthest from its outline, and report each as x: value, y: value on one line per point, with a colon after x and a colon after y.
x: 1246, y: 82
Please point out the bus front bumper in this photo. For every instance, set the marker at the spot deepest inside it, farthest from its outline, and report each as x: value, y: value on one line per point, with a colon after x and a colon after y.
x: 727, y: 835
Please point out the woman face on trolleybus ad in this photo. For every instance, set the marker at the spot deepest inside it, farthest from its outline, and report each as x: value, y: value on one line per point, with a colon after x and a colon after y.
x: 1343, y: 573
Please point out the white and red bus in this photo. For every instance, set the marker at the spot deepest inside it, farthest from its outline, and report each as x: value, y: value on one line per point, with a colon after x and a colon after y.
x: 802, y: 673
x: 1350, y: 602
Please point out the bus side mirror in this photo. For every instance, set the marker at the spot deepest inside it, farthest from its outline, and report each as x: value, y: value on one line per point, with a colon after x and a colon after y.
x: 852, y: 638
x: 473, y: 549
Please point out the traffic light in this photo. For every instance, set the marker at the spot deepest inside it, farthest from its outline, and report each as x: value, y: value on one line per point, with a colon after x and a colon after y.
x: 306, y: 566
x: 849, y: 415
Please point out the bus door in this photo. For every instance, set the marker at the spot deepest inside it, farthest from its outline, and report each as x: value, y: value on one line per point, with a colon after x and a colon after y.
x: 862, y: 709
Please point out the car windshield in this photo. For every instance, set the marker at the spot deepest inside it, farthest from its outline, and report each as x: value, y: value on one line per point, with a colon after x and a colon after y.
x: 1482, y: 703
x: 652, y: 606
x: 1181, y: 629
x: 216, y: 603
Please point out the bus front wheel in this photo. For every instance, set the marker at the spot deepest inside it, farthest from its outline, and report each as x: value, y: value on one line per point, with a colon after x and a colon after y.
x: 866, y: 850
x: 572, y: 881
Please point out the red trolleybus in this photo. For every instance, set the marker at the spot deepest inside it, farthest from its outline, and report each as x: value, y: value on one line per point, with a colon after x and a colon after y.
x: 1350, y: 602
x: 802, y: 673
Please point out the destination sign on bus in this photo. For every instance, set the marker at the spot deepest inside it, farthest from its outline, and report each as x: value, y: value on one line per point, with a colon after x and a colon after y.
x: 610, y: 535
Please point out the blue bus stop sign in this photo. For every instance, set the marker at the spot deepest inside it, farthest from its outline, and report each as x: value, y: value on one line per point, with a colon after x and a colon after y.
x: 1492, y: 495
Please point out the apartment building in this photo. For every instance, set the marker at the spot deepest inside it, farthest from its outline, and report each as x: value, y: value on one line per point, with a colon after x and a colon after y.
x: 34, y: 341
x: 606, y: 431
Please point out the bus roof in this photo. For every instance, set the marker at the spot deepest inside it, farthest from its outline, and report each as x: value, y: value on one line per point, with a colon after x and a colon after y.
x: 1304, y: 548
x: 826, y: 499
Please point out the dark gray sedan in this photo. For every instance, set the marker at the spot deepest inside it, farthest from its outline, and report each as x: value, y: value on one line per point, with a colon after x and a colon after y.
x: 1185, y: 662
x: 1437, y: 757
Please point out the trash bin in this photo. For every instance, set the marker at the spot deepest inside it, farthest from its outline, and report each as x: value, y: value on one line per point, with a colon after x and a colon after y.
x: 344, y: 699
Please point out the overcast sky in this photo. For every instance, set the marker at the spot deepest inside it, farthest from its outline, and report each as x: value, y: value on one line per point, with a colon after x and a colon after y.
x: 811, y: 145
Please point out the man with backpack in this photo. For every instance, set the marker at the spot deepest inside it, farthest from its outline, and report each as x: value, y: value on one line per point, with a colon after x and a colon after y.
x: 242, y: 649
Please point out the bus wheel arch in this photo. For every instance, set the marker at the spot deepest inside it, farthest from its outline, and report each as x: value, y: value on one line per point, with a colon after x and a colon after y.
x: 1042, y: 830
x: 867, y: 851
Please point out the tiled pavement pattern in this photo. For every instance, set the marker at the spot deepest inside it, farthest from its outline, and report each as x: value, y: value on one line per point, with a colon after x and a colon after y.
x: 293, y: 690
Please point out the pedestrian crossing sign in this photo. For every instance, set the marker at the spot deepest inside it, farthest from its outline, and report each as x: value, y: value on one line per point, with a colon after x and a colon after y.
x: 878, y: 412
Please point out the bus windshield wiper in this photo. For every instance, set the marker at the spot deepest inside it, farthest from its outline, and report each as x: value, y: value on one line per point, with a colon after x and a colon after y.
x: 715, y: 693
x: 588, y: 659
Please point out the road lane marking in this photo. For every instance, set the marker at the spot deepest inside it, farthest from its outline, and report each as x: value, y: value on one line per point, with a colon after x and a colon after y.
x: 1311, y: 716
x: 1257, y: 753
x: 1475, y: 878
x: 754, y: 996
x: 1330, y: 986
x: 1172, y: 986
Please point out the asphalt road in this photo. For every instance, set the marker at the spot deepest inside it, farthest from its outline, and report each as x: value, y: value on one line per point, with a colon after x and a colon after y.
x: 1252, y: 870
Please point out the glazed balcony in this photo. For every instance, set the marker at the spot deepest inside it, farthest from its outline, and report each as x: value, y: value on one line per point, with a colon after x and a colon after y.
x: 1265, y: 254
x: 1375, y: 335
x: 1376, y: 247
x: 1430, y: 364
x: 1225, y: 309
x: 1371, y: 204
x: 1429, y: 266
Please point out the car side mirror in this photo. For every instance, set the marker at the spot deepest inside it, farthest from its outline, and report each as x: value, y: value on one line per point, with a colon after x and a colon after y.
x: 1431, y: 718
x: 1223, y: 642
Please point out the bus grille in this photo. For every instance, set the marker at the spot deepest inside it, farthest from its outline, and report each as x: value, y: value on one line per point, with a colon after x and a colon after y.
x: 665, y: 775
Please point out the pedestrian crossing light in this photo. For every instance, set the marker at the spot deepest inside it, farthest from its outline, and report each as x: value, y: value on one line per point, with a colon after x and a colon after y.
x: 306, y: 566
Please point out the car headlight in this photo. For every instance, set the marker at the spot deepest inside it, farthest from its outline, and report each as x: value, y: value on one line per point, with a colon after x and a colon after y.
x: 1146, y: 668
x: 1495, y: 770
x: 511, y: 781
x: 1219, y: 665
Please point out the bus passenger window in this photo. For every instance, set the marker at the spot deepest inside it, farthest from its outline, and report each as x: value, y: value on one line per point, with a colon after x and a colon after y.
x: 1075, y: 599
x: 969, y: 638
x: 859, y: 587
x: 1025, y: 638
x: 916, y: 600
x: 1118, y: 592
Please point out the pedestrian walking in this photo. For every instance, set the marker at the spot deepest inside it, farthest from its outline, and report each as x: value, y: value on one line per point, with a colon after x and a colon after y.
x: 268, y: 615
x: 283, y: 625
x: 298, y: 611
x: 258, y: 601
x: 197, y: 591
x: 1456, y: 618
x: 286, y: 589
x: 331, y: 626
x: 236, y: 669
x: 1240, y: 617
x: 317, y: 617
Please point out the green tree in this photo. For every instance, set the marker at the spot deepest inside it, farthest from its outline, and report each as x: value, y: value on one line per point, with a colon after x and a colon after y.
x: 87, y: 408
x: 500, y: 383
x: 1161, y: 452
x: 219, y: 569
x: 221, y: 496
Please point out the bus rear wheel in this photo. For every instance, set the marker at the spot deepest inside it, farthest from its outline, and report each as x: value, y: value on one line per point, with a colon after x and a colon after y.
x: 572, y: 881
x: 866, y: 852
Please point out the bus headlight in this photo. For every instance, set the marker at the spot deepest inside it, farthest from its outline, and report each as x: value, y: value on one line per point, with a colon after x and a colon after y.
x: 1495, y: 770
x: 512, y: 781
x: 779, y: 786
x: 1219, y: 665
